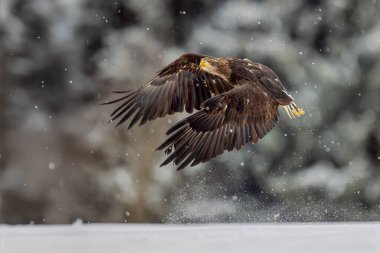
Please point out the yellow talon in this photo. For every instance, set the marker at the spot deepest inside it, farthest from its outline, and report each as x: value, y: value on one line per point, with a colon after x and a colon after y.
x: 288, y: 111
x: 294, y: 110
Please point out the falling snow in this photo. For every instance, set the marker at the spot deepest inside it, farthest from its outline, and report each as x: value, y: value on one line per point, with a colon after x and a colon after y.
x: 51, y: 166
x: 57, y: 75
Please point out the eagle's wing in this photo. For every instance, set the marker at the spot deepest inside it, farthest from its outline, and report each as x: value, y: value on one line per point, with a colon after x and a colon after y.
x: 226, y: 121
x: 270, y: 81
x: 180, y: 85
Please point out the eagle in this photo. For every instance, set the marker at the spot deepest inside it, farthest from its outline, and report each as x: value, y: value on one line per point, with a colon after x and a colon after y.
x: 236, y: 102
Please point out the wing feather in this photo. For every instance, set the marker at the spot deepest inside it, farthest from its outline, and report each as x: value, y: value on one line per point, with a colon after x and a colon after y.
x: 270, y: 81
x: 227, y: 121
x: 182, y: 85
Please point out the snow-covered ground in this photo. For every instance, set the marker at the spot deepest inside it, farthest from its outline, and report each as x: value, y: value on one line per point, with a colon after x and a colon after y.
x: 293, y: 238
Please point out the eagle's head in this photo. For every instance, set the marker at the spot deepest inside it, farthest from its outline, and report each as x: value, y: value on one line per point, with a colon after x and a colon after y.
x: 216, y: 66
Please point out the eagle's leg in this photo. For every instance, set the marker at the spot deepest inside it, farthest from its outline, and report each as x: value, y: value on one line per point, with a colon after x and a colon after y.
x: 293, y: 110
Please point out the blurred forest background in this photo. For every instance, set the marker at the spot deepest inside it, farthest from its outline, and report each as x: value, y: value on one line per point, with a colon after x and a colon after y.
x: 60, y: 161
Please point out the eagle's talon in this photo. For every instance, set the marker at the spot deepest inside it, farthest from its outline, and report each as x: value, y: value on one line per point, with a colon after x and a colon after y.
x: 294, y: 110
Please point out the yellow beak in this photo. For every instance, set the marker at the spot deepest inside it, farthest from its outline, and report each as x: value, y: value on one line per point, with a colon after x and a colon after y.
x: 204, y: 64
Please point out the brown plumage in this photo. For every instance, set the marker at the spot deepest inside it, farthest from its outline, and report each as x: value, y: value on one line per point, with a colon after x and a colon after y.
x: 236, y: 99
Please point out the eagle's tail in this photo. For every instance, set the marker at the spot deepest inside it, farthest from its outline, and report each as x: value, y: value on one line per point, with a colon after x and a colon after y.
x: 294, y: 110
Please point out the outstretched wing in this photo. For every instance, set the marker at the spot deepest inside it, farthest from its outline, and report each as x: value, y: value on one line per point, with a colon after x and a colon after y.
x: 227, y: 121
x: 180, y: 85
